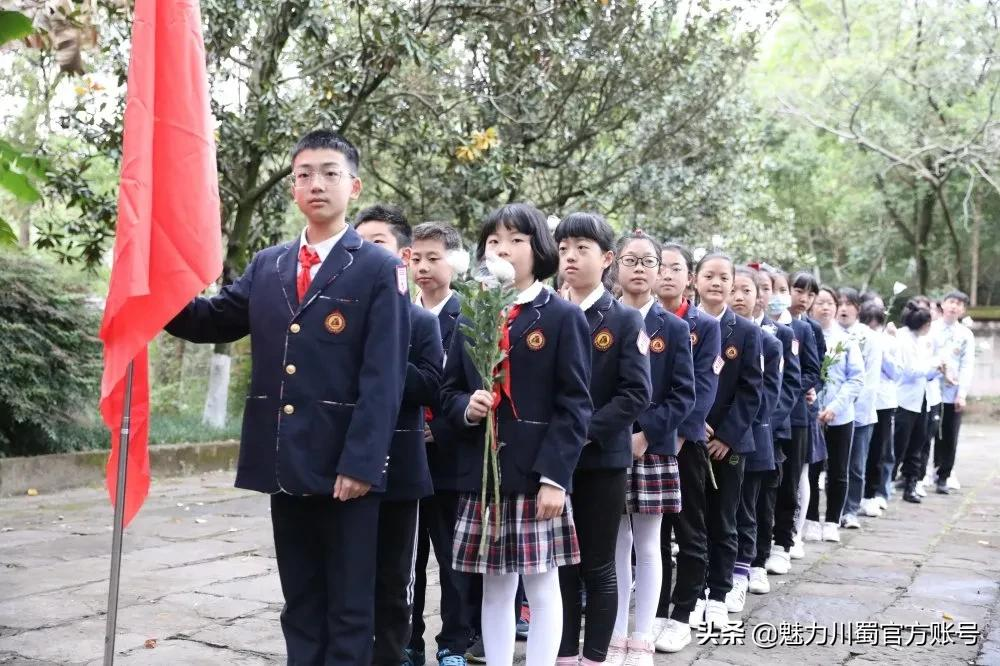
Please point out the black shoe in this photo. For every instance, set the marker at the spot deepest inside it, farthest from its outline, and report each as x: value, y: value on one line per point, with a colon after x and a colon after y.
x: 910, y: 492
x: 476, y: 654
x: 414, y: 658
x: 942, y: 488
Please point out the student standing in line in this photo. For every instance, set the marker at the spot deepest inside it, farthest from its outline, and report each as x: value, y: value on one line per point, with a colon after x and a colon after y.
x: 653, y: 485
x: 542, y: 428
x: 880, y: 448
x: 958, y: 349
x: 671, y: 627
x: 620, y: 391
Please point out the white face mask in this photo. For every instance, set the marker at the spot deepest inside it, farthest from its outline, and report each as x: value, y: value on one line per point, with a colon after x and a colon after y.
x: 778, y: 304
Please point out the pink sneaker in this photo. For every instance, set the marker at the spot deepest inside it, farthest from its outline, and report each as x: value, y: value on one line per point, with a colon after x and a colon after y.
x: 568, y: 661
x: 617, y: 651
x: 640, y: 652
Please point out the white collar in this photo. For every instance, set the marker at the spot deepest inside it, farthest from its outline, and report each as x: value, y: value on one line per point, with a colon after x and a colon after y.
x: 592, y: 298
x: 436, y: 310
x: 323, y: 248
x: 759, y: 320
x: 717, y: 317
x: 529, y: 294
x: 644, y: 310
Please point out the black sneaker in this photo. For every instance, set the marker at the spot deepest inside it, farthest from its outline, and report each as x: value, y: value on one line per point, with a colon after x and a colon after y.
x: 476, y: 654
x: 942, y: 488
x: 414, y: 658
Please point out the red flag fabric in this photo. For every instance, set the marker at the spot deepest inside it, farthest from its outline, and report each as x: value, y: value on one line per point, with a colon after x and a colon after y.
x: 168, y: 246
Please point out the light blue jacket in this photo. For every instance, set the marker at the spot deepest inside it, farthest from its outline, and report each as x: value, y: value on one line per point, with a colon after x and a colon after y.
x: 957, y: 347
x: 871, y: 344
x: 845, y: 377
x: 917, y: 367
x: 885, y: 398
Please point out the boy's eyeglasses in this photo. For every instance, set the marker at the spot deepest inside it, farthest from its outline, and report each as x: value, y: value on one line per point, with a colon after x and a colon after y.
x: 305, y: 178
x: 631, y: 261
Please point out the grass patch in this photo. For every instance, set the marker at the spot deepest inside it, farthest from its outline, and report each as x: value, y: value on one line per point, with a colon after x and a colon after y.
x: 183, y: 428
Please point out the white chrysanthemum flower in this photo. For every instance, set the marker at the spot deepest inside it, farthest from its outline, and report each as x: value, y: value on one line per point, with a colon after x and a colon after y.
x: 698, y: 253
x: 898, y: 288
x: 552, y: 221
x: 459, y: 261
x: 494, y: 271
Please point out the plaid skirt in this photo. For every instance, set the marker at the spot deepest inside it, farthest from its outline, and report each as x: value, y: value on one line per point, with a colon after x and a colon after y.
x: 525, y: 546
x: 653, y: 485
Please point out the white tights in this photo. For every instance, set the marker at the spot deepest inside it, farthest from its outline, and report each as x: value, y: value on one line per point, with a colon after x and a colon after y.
x: 545, y: 632
x: 800, y: 514
x: 643, y: 532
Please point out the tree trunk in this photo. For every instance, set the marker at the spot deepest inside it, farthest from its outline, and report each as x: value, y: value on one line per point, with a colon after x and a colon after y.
x: 977, y: 223
x: 925, y: 221
x: 217, y: 397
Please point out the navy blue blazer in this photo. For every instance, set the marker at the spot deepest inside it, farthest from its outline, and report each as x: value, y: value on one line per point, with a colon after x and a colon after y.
x: 810, y: 363
x: 791, y: 379
x: 550, y: 385
x: 671, y: 368
x: 441, y: 453
x: 706, y: 346
x: 821, y: 352
x: 763, y: 457
x: 738, y: 397
x: 409, y: 474
x: 619, y: 383
x: 327, y: 374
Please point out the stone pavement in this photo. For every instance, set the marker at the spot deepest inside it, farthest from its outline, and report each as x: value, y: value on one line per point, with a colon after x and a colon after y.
x: 199, y: 583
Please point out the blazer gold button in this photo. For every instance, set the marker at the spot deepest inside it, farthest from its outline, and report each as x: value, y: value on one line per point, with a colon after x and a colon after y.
x: 294, y: 328
x: 289, y: 409
x: 290, y: 369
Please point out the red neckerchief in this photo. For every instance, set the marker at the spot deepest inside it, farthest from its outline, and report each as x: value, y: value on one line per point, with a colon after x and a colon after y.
x: 502, y: 387
x: 683, y: 309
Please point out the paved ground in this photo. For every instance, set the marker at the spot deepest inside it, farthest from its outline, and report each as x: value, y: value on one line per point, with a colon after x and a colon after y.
x: 199, y: 579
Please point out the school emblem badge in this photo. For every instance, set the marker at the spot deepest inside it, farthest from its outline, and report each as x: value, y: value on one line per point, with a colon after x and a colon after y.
x: 603, y: 340
x: 731, y: 352
x: 536, y: 340
x: 795, y: 347
x: 694, y: 338
x: 657, y: 345
x: 335, y: 322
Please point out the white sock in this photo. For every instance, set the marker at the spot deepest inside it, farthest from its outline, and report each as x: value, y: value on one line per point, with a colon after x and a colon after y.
x: 800, y: 514
x: 545, y: 632
x: 648, y: 570
x: 498, y: 617
x: 623, y: 570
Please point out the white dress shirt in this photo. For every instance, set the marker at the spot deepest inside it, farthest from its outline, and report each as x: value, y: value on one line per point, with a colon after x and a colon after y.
x: 323, y: 249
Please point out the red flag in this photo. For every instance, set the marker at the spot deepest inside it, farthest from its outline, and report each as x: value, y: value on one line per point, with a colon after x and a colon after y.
x: 168, y: 242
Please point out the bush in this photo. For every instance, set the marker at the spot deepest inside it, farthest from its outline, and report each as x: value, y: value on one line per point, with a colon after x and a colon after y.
x: 50, y: 358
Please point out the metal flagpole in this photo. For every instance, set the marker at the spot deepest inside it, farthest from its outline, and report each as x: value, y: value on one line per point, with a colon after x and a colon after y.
x: 119, y: 527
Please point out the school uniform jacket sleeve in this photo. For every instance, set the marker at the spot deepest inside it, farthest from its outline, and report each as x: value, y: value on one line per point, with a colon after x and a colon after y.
x: 460, y: 381
x: 706, y: 380
x: 224, y: 317
x: 854, y: 379
x: 382, y: 377
x: 772, y: 378
x: 567, y: 431
x: 810, y: 360
x: 746, y: 401
x: 791, y: 378
x: 660, y: 422
x: 423, y: 377
x: 633, y: 386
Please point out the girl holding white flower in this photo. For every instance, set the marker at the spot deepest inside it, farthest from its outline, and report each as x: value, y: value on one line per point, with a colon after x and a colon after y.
x: 542, y: 409
x: 843, y: 381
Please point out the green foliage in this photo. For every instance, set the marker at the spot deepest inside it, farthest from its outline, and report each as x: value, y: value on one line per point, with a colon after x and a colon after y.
x: 50, y: 359
x: 14, y: 25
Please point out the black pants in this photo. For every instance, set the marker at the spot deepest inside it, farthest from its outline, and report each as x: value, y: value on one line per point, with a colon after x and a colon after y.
x: 787, y: 500
x: 838, y: 457
x: 326, y: 562
x: 766, y: 499
x: 951, y: 423
x: 394, y: 565
x: 746, y: 516
x: 598, y: 498
x: 720, y: 521
x: 931, y: 437
x: 437, y: 529
x: 881, y: 440
x: 688, y: 527
x: 909, y: 438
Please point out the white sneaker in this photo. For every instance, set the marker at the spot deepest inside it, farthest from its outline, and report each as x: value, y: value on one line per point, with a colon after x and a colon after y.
x: 697, y: 617
x: 851, y: 522
x: 759, y: 584
x: 920, y: 489
x: 831, y: 532
x: 617, y: 651
x: 674, y: 637
x: 870, y: 508
x: 778, y: 563
x: 812, y: 531
x: 659, y: 624
x: 881, y: 502
x: 736, y: 598
x: 716, y: 614
x: 953, y: 483
x: 798, y: 549
x: 640, y: 652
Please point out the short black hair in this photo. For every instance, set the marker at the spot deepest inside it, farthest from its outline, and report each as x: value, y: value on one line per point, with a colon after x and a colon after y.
x: 587, y: 225
x: 441, y: 231
x: 325, y: 139
x: 716, y: 255
x: 528, y: 220
x: 681, y: 250
x: 915, y: 316
x: 851, y: 295
x: 958, y: 296
x: 871, y: 312
x: 807, y: 281
x: 391, y: 215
